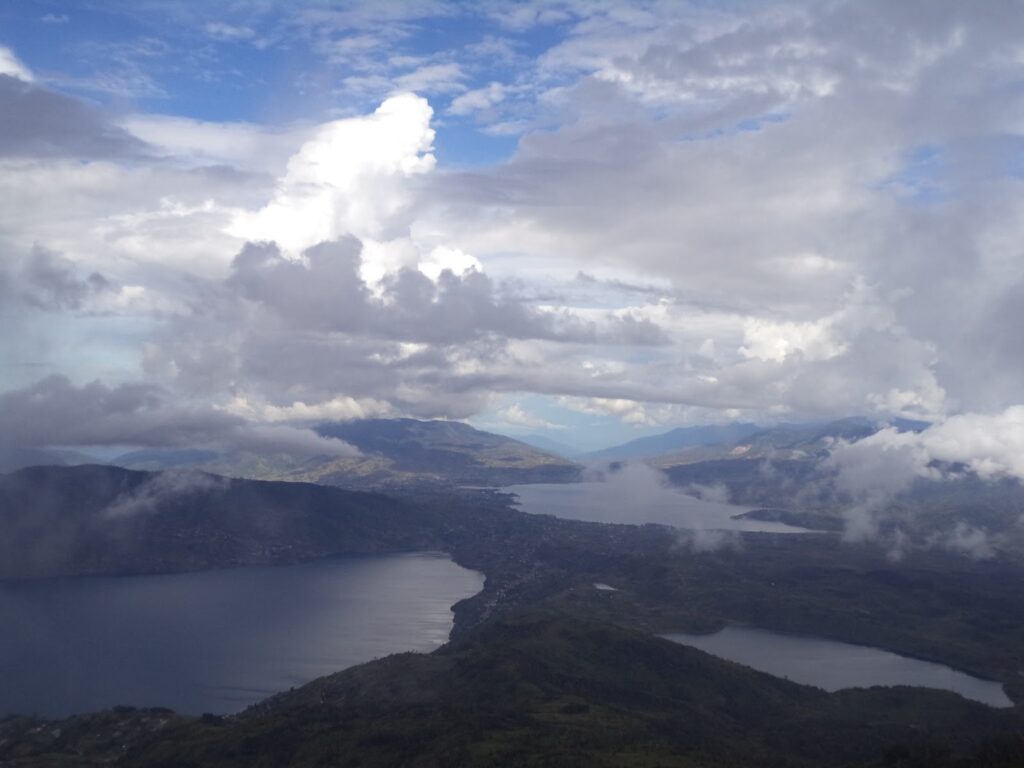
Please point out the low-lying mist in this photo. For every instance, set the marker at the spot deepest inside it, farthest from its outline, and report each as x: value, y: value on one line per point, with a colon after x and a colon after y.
x: 954, y: 486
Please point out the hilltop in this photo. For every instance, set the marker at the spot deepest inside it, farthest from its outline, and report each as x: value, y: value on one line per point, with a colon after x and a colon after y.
x: 674, y: 440
x: 435, y: 451
x: 392, y: 453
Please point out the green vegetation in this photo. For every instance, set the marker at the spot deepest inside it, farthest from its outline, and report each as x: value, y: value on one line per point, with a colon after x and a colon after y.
x: 538, y: 689
x: 543, y: 668
x: 107, y: 520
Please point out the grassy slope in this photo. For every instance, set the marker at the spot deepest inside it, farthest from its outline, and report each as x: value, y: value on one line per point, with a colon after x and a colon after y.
x: 393, y: 453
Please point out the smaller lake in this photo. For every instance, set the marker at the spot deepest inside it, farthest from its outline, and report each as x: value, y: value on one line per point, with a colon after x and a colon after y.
x: 216, y: 641
x: 833, y: 665
x: 637, y: 495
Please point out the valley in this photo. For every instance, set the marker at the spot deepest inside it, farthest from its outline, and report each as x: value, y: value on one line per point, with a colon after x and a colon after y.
x: 511, y: 384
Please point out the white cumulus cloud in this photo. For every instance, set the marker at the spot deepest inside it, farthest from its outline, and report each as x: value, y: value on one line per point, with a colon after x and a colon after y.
x: 351, y: 177
x: 10, y: 65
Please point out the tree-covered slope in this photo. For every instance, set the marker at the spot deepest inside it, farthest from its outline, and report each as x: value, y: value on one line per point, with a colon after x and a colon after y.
x: 100, y: 519
x: 539, y: 689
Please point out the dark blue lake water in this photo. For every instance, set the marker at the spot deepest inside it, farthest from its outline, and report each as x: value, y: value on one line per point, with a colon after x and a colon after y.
x: 216, y: 641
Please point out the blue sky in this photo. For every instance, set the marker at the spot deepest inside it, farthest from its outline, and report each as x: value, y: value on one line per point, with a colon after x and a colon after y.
x: 589, y: 219
x: 263, y: 63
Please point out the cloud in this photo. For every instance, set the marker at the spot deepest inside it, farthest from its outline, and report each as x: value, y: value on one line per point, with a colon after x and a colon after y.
x: 297, y: 335
x: 717, y: 492
x: 635, y: 486
x: 478, y: 99
x: 324, y: 291
x: 55, y: 412
x: 349, y: 179
x: 756, y: 215
x: 161, y: 488
x: 967, y: 540
x: 517, y: 416
x: 878, y: 470
x: 35, y: 122
x: 11, y: 67
x: 807, y: 190
x: 630, y: 411
x: 989, y: 445
x: 336, y: 409
x: 223, y: 31
x: 433, y: 78
x: 47, y: 280
x: 247, y: 147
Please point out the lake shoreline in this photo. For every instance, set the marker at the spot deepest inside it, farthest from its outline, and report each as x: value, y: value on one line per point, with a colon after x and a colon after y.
x: 218, y: 640
x: 719, y: 643
x: 641, y: 499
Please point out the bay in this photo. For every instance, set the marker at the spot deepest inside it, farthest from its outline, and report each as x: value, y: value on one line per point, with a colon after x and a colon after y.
x: 216, y: 641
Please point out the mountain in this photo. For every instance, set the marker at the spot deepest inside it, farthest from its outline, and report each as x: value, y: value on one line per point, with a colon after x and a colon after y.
x: 12, y: 459
x: 103, y: 519
x: 396, y: 450
x: 554, y: 447
x: 672, y: 441
x: 785, y: 441
x: 539, y: 689
x: 687, y: 445
x: 393, y: 453
x: 155, y: 459
x: 806, y: 439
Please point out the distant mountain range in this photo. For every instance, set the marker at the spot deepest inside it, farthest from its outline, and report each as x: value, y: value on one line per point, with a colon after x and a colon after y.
x: 689, y: 445
x: 16, y: 458
x: 402, y: 453
x: 393, y: 452
x: 549, y: 445
x: 672, y: 441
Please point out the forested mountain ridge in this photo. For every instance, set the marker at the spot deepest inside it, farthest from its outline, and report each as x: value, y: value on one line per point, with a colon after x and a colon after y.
x: 103, y: 519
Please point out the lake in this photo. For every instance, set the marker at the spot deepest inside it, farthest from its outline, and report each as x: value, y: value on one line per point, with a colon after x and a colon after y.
x: 637, y: 496
x: 216, y: 641
x: 833, y: 665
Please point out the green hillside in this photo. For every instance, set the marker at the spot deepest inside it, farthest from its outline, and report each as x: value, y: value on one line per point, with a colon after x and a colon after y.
x: 539, y: 689
x: 99, y: 519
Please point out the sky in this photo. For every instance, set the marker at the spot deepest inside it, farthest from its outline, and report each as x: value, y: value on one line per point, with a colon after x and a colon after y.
x: 221, y: 223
